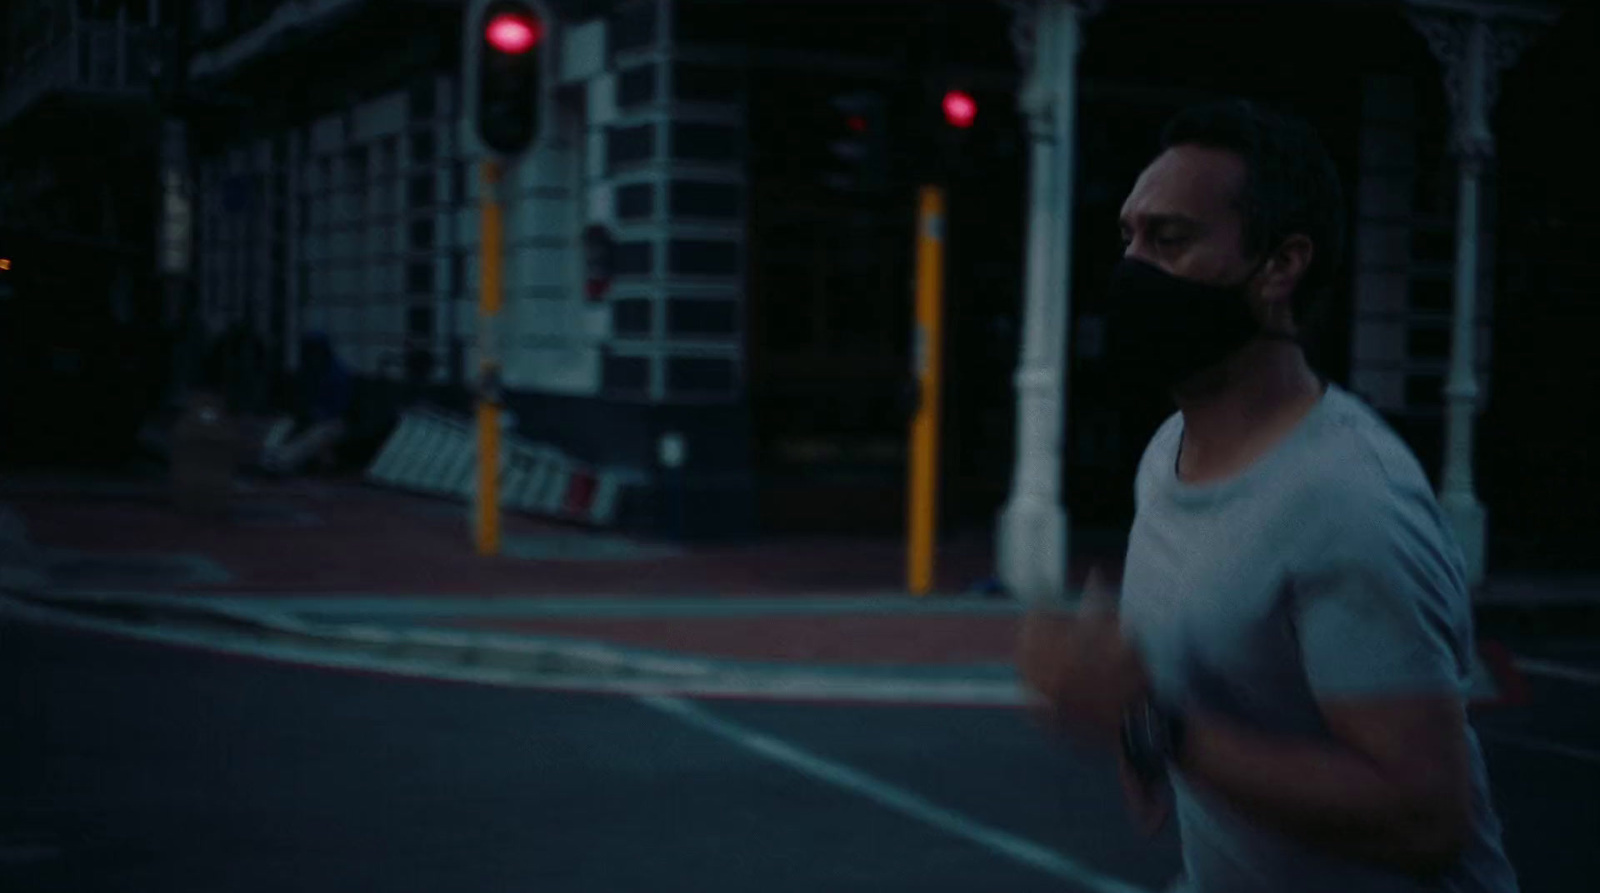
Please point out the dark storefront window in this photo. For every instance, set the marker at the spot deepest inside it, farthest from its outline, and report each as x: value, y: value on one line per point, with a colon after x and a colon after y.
x: 699, y: 375
x: 421, y: 234
x: 713, y: 201
x: 636, y: 201
x: 419, y: 277
x: 693, y: 141
x: 707, y: 83
x: 624, y: 375
x: 627, y: 146
x: 631, y: 316
x: 636, y: 86
x: 634, y: 258
x: 1428, y: 343
x: 633, y: 26
x: 419, y: 190
x: 701, y: 317
x: 698, y: 257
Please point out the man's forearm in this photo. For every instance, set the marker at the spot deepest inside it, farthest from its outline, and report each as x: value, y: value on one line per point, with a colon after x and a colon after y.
x: 1325, y: 795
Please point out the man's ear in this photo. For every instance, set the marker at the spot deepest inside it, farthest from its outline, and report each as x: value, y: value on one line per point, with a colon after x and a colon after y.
x: 1282, y: 277
x: 1288, y: 267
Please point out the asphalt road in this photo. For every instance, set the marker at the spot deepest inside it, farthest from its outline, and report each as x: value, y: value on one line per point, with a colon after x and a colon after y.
x: 129, y: 766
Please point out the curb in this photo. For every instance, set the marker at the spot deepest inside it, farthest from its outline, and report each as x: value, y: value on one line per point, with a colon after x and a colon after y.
x: 532, y: 662
x: 580, y: 666
x: 546, y: 655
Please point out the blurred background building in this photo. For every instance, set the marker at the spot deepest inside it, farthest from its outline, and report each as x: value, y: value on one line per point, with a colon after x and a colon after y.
x: 753, y: 165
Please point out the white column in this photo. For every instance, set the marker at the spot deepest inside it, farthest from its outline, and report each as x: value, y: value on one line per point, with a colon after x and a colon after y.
x: 1472, y: 42
x: 1032, y: 543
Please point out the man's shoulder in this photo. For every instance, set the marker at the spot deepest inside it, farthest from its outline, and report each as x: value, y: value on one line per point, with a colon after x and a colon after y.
x: 1164, y: 441
x: 1356, y: 455
x: 1360, y: 483
x: 1161, y: 451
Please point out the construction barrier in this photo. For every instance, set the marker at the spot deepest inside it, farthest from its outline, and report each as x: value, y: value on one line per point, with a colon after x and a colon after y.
x: 400, y: 442
x: 433, y: 453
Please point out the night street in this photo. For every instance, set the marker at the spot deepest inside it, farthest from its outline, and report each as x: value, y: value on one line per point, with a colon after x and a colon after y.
x: 758, y: 445
x: 131, y: 766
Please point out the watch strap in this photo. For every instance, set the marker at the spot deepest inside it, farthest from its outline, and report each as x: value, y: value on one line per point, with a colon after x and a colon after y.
x: 1152, y: 738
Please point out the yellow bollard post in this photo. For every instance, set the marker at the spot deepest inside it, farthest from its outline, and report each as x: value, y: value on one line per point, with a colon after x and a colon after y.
x: 489, y: 301
x: 922, y: 511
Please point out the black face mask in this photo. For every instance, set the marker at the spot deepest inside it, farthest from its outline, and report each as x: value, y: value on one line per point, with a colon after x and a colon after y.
x: 1162, y: 329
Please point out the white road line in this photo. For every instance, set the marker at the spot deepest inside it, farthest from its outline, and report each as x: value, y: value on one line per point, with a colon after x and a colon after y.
x: 1539, y: 744
x: 1553, y: 670
x: 898, y: 799
x: 1000, y: 693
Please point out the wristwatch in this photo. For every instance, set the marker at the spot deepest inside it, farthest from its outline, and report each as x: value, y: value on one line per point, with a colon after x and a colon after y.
x: 1152, y: 738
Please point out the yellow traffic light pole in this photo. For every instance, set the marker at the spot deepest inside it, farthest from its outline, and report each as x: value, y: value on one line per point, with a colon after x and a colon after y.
x: 489, y: 397
x: 922, y: 510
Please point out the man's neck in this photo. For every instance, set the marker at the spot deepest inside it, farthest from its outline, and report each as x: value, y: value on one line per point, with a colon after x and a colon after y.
x: 1268, y: 389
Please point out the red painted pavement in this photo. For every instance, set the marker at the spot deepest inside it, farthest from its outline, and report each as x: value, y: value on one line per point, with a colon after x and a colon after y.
x: 366, y: 540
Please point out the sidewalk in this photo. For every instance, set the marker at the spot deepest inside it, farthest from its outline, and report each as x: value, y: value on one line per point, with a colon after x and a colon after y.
x: 396, y: 559
x: 834, y: 600
x: 344, y: 537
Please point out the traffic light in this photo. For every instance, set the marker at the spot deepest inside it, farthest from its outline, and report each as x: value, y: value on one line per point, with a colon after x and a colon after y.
x: 960, y: 138
x: 508, y: 42
x: 857, y: 143
x: 960, y: 109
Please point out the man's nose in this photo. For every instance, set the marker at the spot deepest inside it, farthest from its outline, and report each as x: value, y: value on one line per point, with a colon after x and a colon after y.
x: 1138, y: 249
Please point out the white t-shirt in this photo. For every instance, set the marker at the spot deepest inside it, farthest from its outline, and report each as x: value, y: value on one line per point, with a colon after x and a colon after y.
x: 1323, y: 569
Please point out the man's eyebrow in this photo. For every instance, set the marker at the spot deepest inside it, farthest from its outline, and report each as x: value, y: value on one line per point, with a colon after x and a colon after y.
x: 1170, y: 220
x: 1155, y: 221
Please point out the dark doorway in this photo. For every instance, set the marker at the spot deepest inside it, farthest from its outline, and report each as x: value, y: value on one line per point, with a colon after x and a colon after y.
x: 839, y: 147
x: 1538, y: 475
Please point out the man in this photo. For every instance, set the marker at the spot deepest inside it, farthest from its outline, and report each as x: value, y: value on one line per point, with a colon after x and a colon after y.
x: 325, y: 397
x: 1293, y: 641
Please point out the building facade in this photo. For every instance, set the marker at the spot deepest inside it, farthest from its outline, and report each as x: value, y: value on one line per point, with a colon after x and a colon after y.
x: 759, y: 299
x: 82, y: 349
x: 359, y: 219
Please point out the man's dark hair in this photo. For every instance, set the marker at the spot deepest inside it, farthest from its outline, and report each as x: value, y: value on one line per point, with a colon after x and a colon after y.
x: 1291, y: 186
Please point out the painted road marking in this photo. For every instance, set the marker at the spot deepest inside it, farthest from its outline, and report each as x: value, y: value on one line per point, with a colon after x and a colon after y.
x: 1532, y: 743
x: 798, y: 686
x: 898, y: 799
x: 379, y: 655
x: 1553, y: 670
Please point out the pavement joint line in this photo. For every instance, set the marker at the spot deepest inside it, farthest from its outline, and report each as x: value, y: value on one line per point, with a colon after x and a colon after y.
x: 895, y: 798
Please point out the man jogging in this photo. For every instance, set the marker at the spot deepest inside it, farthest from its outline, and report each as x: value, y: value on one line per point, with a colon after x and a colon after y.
x: 1293, y: 642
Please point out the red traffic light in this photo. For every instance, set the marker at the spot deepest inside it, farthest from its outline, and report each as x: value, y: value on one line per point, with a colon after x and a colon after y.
x: 960, y: 109
x: 513, y: 34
